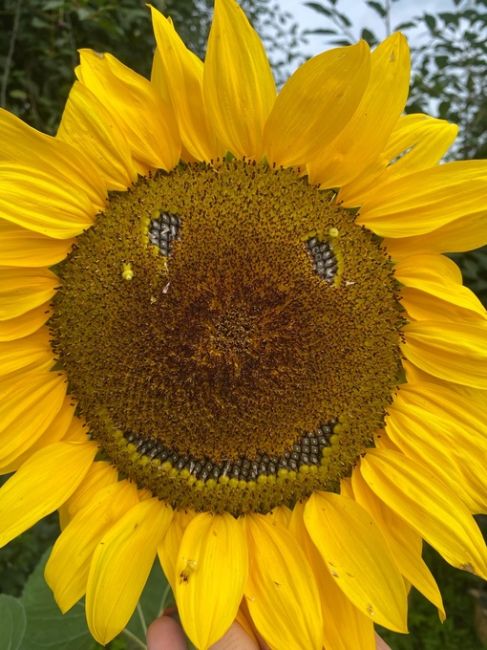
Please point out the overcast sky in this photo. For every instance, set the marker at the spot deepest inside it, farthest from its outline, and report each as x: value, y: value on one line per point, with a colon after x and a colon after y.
x: 361, y: 16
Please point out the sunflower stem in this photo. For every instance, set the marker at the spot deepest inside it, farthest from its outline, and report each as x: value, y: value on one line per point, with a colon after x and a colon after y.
x: 134, y: 638
x: 165, y: 594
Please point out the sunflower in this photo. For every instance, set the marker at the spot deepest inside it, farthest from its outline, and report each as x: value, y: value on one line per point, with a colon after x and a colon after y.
x: 230, y: 339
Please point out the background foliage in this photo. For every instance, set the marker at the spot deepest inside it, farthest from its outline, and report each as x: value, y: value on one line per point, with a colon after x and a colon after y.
x: 38, y: 43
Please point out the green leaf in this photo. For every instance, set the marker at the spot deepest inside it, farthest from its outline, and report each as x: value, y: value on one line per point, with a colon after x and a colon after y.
x: 47, y: 628
x: 405, y: 25
x: 12, y: 623
x: 368, y: 36
x: 319, y: 8
x: 430, y: 21
x: 378, y: 8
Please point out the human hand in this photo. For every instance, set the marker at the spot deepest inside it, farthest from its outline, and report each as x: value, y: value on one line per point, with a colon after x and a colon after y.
x: 166, y: 634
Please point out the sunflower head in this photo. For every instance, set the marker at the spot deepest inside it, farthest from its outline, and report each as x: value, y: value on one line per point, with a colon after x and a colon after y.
x: 230, y: 338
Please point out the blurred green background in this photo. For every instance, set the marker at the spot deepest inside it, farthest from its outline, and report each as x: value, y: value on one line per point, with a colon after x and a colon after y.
x: 38, y: 52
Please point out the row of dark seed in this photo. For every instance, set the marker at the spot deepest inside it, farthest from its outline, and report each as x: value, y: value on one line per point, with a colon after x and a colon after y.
x: 307, y: 451
x: 164, y: 230
x: 325, y: 263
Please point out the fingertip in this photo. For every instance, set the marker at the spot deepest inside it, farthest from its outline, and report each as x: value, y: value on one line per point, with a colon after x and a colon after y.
x: 381, y: 644
x: 165, y: 634
x: 235, y: 639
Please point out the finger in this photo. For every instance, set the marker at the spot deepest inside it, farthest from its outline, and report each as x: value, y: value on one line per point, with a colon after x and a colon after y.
x: 381, y: 644
x: 235, y: 639
x: 165, y: 634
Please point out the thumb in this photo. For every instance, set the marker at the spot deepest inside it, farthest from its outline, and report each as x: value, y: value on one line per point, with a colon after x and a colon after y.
x: 165, y: 634
x: 235, y: 639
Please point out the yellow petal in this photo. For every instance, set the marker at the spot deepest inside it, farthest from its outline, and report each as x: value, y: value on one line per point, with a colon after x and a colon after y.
x: 344, y: 626
x: 467, y: 416
x: 357, y: 557
x: 24, y: 289
x: 88, y: 125
x: 41, y: 485
x: 419, y: 203
x: 121, y: 565
x: 368, y: 130
x: 315, y: 104
x: 53, y: 433
x: 100, y: 475
x: 452, y: 351
x: 212, y: 570
x: 282, y: 594
x: 447, y: 446
x: 145, y: 121
x: 28, y: 405
x: 244, y: 619
x: 25, y: 324
x: 460, y: 471
x: 168, y: 549
x: 438, y: 515
x: 238, y: 86
x: 21, y: 247
x: 464, y: 234
x: 33, y: 198
x: 59, y: 160
x: 417, y: 142
x: 27, y: 353
x: 404, y: 542
x: 434, y: 286
x: 67, y: 569
x: 182, y: 75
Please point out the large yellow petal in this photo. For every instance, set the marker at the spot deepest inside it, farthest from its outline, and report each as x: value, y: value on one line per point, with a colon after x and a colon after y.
x: 41, y: 485
x: 25, y: 324
x: 168, y: 549
x: 238, y: 86
x: 434, y: 285
x: 344, y: 626
x: 24, y: 289
x: 417, y: 142
x: 404, y: 542
x: 28, y: 446
x: 34, y: 198
x: 435, y: 511
x: 419, y: 203
x: 357, y: 557
x: 453, y: 351
x: 211, y: 570
x: 26, y: 353
x: 444, y: 455
x: 460, y: 235
x: 315, y: 104
x: 67, y: 569
x: 60, y: 161
x: 368, y: 130
x: 89, y: 126
x: 282, y: 594
x: 28, y: 404
x: 100, y: 475
x: 21, y: 247
x: 180, y: 73
x: 121, y: 565
x: 461, y: 413
x: 146, y: 122
x: 447, y: 445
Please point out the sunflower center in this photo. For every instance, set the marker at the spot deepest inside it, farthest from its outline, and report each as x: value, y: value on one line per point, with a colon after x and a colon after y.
x: 230, y: 334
